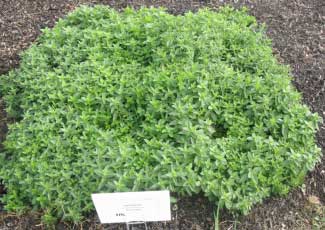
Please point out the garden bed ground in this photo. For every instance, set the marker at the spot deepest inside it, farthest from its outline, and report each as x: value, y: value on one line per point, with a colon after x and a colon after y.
x: 298, y: 33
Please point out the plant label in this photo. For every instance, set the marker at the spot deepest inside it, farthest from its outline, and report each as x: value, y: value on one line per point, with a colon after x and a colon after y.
x: 132, y: 206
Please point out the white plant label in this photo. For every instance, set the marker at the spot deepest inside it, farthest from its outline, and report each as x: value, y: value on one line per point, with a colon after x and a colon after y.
x: 132, y: 206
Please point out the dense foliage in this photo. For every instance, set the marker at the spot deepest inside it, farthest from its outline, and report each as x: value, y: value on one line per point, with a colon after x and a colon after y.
x: 144, y: 100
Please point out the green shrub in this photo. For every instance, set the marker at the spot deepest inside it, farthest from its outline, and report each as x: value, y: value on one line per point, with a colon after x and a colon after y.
x: 144, y: 100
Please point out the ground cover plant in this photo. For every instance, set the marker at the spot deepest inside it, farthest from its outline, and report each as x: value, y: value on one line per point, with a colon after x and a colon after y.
x: 143, y: 100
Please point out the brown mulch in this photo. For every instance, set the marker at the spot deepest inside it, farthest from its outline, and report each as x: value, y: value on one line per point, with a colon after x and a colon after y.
x: 297, y: 28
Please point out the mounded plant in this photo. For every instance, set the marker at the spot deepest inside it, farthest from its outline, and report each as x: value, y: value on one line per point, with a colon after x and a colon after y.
x: 144, y: 100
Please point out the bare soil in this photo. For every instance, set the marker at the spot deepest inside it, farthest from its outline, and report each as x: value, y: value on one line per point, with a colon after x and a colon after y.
x: 297, y: 28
